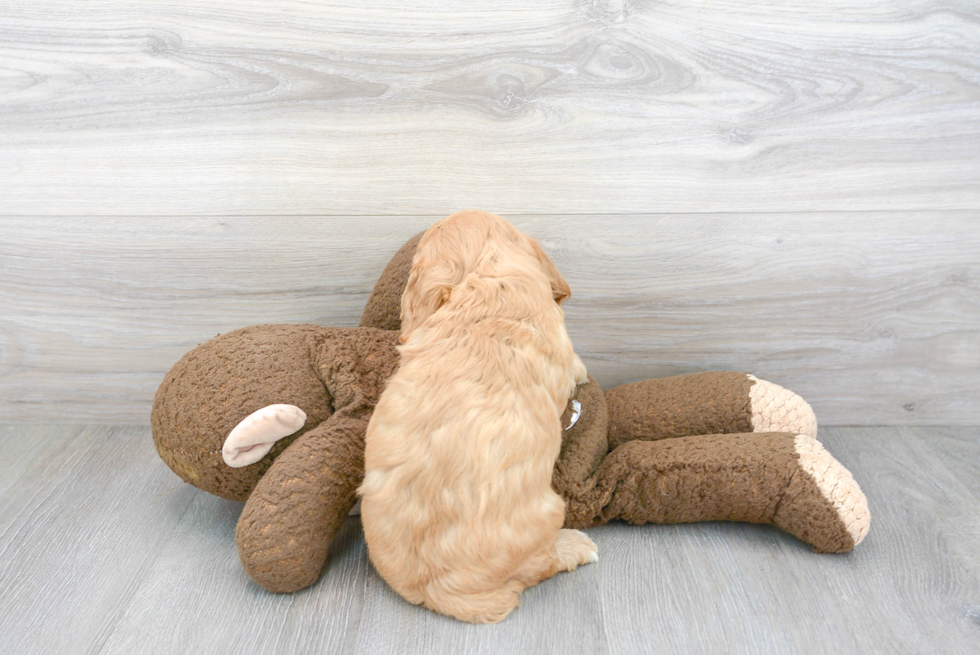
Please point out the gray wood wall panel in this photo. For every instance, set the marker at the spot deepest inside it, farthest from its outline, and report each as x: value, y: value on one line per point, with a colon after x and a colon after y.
x: 873, y: 317
x: 562, y: 106
x: 788, y: 188
x: 104, y: 550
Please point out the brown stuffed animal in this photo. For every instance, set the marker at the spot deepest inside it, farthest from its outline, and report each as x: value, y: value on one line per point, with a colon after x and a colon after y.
x: 275, y: 415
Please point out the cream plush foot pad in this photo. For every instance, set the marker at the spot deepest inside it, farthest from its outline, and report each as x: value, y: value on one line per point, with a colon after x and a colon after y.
x: 251, y: 439
x: 837, y: 486
x: 775, y: 409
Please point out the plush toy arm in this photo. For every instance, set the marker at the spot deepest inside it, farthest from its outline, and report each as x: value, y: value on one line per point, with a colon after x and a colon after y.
x: 301, y: 503
x: 704, y: 403
x: 788, y: 480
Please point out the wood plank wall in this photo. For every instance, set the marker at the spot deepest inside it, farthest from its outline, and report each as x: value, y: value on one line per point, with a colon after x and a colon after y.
x: 787, y: 188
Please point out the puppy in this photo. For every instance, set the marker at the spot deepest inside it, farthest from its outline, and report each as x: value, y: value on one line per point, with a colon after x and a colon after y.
x: 457, y: 506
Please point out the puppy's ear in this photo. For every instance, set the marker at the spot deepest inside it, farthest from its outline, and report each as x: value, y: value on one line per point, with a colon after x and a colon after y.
x: 430, y: 284
x: 559, y: 287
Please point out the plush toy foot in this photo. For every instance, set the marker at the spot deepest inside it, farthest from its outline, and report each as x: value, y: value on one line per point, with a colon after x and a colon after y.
x: 251, y: 439
x: 823, y: 505
x: 775, y: 409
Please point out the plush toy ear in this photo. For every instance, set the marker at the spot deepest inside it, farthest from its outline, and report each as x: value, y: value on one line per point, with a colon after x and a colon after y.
x: 559, y: 287
x: 257, y: 433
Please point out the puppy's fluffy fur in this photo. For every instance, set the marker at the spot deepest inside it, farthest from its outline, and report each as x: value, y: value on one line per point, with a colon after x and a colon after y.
x: 457, y: 505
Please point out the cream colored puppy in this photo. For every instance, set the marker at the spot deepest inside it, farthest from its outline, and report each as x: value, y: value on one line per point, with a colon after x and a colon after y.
x: 457, y: 505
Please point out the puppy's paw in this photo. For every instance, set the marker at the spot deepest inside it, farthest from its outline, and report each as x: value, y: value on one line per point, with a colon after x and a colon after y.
x: 574, y: 548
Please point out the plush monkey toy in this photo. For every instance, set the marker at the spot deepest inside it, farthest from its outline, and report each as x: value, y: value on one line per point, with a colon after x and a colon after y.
x: 275, y: 415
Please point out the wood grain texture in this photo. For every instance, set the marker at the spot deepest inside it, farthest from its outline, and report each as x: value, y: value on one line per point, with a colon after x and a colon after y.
x: 101, y: 540
x: 21, y: 446
x: 196, y: 598
x: 872, y: 317
x: 585, y: 106
x: 78, y: 531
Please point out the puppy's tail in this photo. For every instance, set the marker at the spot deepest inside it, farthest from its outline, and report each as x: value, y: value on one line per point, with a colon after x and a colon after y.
x: 483, y: 607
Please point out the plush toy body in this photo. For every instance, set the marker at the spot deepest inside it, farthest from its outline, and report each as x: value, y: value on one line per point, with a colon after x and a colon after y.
x: 275, y: 415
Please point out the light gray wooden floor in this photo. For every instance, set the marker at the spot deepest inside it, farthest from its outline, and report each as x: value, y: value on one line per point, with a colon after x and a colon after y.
x: 103, y: 549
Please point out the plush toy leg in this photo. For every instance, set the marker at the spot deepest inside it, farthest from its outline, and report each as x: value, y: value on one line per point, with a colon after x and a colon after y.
x: 788, y: 480
x: 300, y: 504
x: 704, y: 403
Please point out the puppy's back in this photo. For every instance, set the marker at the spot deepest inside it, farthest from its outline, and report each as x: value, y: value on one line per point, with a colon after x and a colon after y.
x: 458, y: 509
x: 459, y: 456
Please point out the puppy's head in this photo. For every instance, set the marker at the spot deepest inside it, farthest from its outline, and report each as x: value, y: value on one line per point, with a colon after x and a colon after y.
x: 466, y: 242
